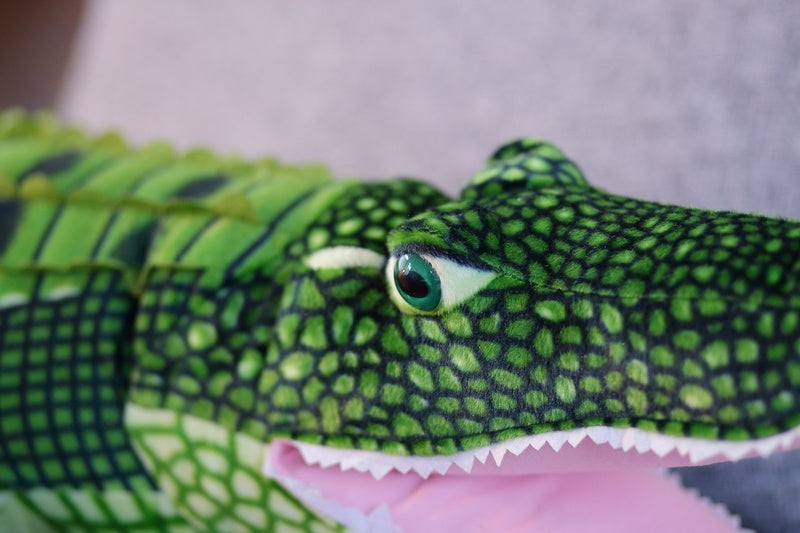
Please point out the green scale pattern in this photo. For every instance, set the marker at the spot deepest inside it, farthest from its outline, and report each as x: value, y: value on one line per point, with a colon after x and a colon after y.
x: 85, y: 222
x: 214, y: 477
x: 607, y: 310
x: 610, y: 306
x: 203, y: 350
x: 66, y: 426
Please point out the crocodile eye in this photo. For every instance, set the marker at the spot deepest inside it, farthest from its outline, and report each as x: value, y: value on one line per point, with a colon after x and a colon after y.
x: 417, y: 282
x: 423, y: 283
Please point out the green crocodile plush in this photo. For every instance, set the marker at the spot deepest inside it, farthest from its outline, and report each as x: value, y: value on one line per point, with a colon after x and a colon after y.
x: 196, y: 343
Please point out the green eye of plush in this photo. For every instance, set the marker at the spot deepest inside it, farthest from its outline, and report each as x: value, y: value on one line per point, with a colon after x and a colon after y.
x: 417, y: 282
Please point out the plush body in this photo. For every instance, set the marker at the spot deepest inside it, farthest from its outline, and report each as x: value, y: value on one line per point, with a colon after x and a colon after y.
x: 196, y: 343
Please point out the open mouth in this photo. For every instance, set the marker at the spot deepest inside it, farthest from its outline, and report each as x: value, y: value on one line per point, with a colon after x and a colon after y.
x: 588, y: 479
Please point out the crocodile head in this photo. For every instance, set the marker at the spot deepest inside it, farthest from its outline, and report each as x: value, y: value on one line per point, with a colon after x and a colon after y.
x: 529, y: 340
x: 400, y: 360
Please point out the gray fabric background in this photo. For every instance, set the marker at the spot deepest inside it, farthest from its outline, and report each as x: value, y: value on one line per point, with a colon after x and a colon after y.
x: 691, y: 102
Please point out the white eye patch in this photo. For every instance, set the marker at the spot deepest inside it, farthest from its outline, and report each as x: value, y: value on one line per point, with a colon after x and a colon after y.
x: 344, y: 257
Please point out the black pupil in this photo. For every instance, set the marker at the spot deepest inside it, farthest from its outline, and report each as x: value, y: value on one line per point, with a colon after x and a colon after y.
x: 412, y: 284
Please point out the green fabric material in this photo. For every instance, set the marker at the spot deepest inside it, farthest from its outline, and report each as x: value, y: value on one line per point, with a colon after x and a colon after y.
x: 178, y: 284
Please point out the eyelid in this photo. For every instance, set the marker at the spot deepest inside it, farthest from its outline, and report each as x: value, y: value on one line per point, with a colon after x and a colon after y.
x: 344, y: 257
x: 458, y: 282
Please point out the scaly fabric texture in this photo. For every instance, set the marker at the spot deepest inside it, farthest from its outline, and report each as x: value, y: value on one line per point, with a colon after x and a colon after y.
x: 164, y: 318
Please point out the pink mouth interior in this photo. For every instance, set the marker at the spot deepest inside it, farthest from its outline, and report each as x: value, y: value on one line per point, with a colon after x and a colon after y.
x: 512, y: 498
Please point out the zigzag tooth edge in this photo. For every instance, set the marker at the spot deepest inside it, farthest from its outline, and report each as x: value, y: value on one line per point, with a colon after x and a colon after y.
x: 696, y: 450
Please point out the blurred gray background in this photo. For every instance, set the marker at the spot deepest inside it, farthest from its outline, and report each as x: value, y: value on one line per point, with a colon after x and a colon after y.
x: 690, y: 102
x: 686, y: 101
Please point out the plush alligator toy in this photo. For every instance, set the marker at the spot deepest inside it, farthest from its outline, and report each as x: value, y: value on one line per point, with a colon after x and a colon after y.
x: 191, y: 343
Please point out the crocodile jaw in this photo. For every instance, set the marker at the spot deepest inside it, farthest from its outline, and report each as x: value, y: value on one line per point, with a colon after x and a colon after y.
x: 545, y: 475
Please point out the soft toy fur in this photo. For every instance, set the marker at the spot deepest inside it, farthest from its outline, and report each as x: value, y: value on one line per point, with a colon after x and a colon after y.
x: 196, y: 343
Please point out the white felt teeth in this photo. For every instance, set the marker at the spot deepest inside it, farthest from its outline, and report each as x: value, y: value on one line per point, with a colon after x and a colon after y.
x: 624, y: 439
x: 498, y: 454
x: 465, y: 462
x: 576, y: 437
